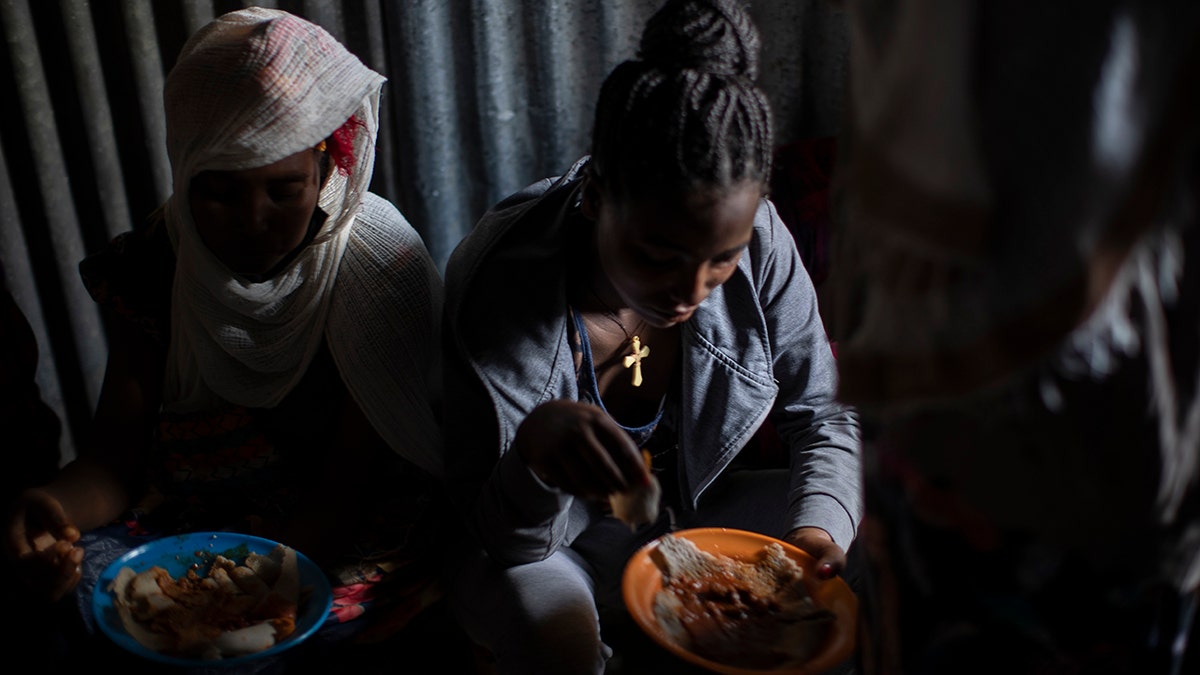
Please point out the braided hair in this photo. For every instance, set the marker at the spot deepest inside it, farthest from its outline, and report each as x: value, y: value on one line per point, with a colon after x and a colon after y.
x: 685, y: 114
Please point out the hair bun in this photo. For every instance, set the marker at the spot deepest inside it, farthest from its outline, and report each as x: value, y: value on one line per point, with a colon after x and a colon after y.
x: 714, y: 36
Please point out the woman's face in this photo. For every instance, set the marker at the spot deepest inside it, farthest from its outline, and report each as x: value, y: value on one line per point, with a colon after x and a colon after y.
x: 254, y: 218
x: 663, y: 257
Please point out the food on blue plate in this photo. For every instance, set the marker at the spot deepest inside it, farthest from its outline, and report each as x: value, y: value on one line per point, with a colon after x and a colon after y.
x: 750, y: 614
x: 229, y: 610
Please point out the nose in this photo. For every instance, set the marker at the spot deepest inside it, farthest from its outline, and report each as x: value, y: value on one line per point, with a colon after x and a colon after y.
x: 251, y: 213
x: 694, y: 285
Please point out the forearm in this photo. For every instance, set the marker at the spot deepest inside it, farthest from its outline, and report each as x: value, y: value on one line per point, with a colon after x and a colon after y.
x: 519, y: 518
x: 92, y: 492
x: 109, y: 475
x: 825, y: 488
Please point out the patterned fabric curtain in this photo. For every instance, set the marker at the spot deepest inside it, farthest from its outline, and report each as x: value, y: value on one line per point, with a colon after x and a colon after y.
x: 483, y: 97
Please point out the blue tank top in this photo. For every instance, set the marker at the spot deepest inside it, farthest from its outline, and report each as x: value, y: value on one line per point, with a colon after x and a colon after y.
x: 589, y: 389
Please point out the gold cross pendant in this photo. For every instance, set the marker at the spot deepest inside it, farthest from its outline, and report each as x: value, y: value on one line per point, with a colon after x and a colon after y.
x: 635, y: 360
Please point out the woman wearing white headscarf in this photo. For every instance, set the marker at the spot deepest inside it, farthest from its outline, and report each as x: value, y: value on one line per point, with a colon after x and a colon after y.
x: 272, y: 365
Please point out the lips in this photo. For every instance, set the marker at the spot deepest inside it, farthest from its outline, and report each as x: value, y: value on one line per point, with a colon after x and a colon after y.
x: 680, y: 317
x: 664, y: 319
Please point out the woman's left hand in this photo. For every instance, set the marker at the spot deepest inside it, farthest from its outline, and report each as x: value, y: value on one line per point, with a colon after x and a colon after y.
x: 830, y: 557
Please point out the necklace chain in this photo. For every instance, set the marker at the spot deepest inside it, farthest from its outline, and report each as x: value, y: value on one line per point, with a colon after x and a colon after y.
x: 611, y: 313
x: 638, y: 349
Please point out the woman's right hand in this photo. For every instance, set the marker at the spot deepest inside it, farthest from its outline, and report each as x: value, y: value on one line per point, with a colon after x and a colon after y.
x: 41, y: 542
x: 579, y: 449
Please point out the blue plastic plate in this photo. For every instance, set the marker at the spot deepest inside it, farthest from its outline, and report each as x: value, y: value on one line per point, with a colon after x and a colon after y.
x: 178, y: 553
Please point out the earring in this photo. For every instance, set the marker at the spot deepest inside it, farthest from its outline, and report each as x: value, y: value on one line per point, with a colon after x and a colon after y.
x: 321, y: 146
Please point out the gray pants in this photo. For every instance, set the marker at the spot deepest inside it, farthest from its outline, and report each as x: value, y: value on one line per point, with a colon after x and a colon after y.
x: 545, y: 617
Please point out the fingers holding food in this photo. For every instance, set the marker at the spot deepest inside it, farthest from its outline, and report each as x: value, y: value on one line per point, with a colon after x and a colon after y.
x: 638, y: 504
x: 50, y: 572
x: 579, y: 449
x: 41, y: 542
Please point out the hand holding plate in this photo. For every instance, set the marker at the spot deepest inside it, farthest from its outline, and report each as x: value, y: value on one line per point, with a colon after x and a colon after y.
x: 830, y: 557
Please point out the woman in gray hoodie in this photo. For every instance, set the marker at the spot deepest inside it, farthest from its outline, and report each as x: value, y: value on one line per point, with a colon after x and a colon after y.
x: 647, y: 303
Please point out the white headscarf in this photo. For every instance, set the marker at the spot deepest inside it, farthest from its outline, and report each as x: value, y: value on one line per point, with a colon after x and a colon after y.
x: 250, y: 88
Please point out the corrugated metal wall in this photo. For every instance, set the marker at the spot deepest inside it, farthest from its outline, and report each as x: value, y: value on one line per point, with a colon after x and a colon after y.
x: 484, y: 96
